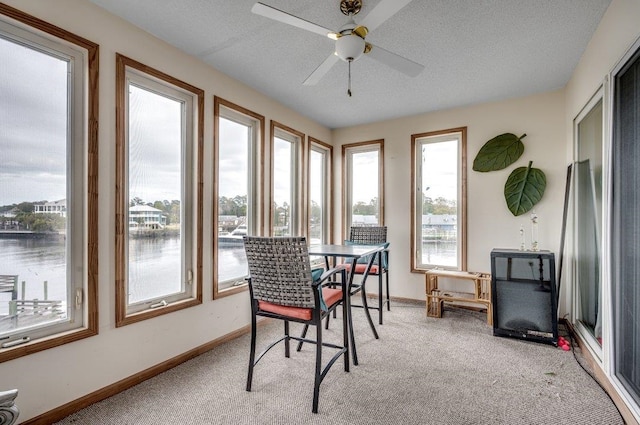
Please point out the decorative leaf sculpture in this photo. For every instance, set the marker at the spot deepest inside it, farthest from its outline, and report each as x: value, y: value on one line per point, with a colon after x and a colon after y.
x: 524, y: 188
x: 499, y: 152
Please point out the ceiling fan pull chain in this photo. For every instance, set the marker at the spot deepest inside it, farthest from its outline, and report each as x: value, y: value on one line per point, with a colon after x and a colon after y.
x: 349, y: 89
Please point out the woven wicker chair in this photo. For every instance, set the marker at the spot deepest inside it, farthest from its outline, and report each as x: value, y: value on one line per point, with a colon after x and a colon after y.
x: 281, y: 287
x: 367, y: 235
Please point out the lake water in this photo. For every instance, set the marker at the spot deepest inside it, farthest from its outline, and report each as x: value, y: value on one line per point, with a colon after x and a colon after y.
x: 34, y: 261
x: 441, y: 252
x: 155, y: 271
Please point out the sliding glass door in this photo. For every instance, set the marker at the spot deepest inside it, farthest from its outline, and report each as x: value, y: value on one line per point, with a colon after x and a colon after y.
x: 625, y: 244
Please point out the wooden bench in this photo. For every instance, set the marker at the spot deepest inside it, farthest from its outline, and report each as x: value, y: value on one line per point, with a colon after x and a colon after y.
x: 479, y: 293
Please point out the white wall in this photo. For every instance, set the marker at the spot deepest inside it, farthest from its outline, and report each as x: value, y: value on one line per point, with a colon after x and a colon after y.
x: 490, y: 223
x: 49, y: 379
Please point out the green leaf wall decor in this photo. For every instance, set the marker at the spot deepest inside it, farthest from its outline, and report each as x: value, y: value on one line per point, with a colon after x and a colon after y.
x: 499, y: 152
x: 524, y: 188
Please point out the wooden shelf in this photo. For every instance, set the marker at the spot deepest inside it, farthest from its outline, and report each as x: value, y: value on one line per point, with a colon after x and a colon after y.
x: 480, y: 293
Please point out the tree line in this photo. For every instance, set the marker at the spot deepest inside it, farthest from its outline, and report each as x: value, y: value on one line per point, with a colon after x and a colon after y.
x: 439, y: 206
x: 232, y: 206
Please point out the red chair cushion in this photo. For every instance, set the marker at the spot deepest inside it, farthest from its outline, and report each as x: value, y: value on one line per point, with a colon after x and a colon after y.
x: 330, y: 295
x: 361, y: 268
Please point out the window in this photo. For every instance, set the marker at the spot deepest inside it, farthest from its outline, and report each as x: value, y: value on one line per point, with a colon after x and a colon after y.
x: 239, y: 140
x: 286, y: 180
x: 320, y: 207
x: 48, y: 181
x: 587, y: 214
x: 159, y: 125
x: 439, y: 203
x: 363, y: 182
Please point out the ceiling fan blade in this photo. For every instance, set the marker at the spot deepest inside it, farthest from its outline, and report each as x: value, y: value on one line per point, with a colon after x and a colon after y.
x: 381, y: 12
x: 320, y: 71
x: 404, y: 65
x: 286, y: 18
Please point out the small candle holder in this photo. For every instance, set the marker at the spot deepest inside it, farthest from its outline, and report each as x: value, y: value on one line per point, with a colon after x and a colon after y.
x: 522, y: 241
x: 534, y: 231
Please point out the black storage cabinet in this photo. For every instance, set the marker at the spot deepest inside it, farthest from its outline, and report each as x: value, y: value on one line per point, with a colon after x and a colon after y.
x: 523, y: 293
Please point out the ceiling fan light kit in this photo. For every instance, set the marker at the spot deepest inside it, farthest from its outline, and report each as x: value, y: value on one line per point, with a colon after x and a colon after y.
x: 349, y: 47
x: 350, y: 43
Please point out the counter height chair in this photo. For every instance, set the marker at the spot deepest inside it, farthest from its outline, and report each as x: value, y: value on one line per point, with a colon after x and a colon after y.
x: 281, y: 287
x: 372, y: 235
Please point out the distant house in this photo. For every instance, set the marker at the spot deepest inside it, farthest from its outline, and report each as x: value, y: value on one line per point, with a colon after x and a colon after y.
x: 364, y: 220
x: 441, y: 222
x: 7, y: 219
x: 12, y: 213
x: 230, y: 220
x: 144, y: 216
x: 55, y: 207
x: 227, y: 223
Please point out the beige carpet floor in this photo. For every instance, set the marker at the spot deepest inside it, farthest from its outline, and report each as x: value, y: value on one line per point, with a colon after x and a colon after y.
x: 421, y: 371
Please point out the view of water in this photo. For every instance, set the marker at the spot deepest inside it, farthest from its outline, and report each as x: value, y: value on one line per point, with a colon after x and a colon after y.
x: 232, y: 265
x: 155, y: 271
x: 439, y: 252
x: 34, y: 261
x: 154, y: 268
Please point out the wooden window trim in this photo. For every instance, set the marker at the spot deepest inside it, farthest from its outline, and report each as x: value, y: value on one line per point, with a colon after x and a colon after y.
x: 345, y: 180
x: 122, y: 317
x: 217, y: 102
x: 301, y: 201
x: 463, y: 190
x: 310, y: 142
x: 91, y: 295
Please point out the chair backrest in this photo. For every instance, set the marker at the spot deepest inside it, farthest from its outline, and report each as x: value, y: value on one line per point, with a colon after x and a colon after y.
x: 368, y: 235
x: 280, y: 270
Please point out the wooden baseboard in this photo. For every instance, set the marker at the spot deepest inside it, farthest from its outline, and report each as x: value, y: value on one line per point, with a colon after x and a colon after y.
x: 126, y: 383
x: 600, y: 376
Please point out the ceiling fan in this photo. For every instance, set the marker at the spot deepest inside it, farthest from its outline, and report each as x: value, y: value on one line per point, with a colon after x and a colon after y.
x: 350, y: 43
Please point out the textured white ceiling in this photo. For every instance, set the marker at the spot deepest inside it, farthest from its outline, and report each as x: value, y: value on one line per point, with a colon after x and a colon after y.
x: 473, y: 51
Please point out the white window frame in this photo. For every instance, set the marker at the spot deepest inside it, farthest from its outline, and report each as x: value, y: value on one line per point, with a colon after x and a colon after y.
x: 81, y: 190
x: 594, y: 347
x: 417, y: 141
x: 348, y: 151
x: 298, y: 179
x: 327, y: 185
x: 255, y: 122
x: 129, y: 72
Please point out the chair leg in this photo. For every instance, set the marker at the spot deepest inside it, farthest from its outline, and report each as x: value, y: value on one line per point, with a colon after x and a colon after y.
x: 386, y: 274
x: 345, y: 335
x: 252, y: 352
x: 286, y: 339
x: 380, y: 296
x: 352, y: 336
x: 304, y: 334
x: 318, y: 377
x: 365, y: 306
